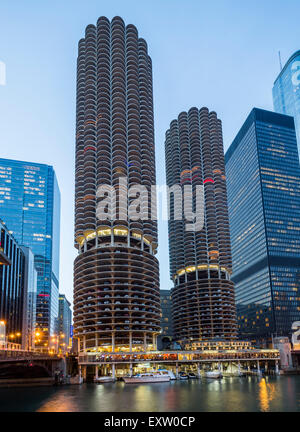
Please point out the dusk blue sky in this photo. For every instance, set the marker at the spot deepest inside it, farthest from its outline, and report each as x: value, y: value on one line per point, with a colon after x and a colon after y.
x: 221, y: 54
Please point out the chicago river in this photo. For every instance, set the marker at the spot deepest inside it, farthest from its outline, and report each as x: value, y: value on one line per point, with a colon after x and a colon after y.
x: 250, y: 394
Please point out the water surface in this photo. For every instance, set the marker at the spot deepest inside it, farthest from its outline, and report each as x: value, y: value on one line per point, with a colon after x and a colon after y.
x: 229, y: 394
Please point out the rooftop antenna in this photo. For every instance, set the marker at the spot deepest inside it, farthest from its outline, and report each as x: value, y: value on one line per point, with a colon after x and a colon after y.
x: 279, y: 55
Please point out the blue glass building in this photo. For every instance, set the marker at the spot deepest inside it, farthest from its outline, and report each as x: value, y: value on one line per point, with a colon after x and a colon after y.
x: 286, y: 91
x: 30, y: 207
x: 263, y: 183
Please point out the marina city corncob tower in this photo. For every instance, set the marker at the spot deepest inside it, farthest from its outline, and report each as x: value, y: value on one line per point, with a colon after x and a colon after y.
x: 116, y: 275
x: 200, y: 261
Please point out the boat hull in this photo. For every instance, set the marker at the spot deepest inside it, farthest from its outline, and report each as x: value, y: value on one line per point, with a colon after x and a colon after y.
x: 138, y: 380
x: 104, y: 380
x: 214, y: 375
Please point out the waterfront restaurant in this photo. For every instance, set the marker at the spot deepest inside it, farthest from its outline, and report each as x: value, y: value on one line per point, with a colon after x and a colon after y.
x: 231, y: 358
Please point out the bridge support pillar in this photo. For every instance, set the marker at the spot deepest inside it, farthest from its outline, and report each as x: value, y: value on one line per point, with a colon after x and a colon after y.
x: 130, y: 368
x: 114, y: 371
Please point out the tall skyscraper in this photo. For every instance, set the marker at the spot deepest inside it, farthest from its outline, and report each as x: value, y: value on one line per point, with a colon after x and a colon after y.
x: 30, y: 297
x: 64, y: 323
x: 263, y: 180
x: 200, y: 261
x: 286, y: 91
x: 166, y: 322
x: 30, y: 207
x: 116, y: 276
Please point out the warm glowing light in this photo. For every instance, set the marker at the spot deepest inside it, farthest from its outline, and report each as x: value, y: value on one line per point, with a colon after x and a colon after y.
x: 190, y: 269
x: 136, y: 235
x: 201, y: 267
x: 120, y: 232
x: 105, y: 232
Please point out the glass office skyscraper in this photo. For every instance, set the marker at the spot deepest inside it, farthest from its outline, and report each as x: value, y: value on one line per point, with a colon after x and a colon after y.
x: 286, y: 91
x: 30, y: 296
x: 166, y: 322
x: 263, y: 181
x: 64, y: 323
x: 30, y: 207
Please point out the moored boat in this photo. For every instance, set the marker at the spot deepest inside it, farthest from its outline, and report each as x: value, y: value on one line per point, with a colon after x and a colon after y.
x: 104, y: 379
x: 213, y: 374
x: 152, y: 377
x: 168, y: 372
x: 183, y: 376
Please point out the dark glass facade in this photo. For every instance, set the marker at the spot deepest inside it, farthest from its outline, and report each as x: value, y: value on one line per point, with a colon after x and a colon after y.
x: 166, y: 321
x: 286, y: 91
x: 30, y: 207
x: 12, y: 285
x: 30, y: 296
x: 263, y: 181
x: 64, y: 322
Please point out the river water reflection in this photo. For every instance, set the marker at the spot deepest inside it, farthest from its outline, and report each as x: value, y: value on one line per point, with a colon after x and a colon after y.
x: 229, y: 394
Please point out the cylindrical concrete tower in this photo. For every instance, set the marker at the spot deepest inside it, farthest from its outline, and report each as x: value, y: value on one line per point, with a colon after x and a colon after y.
x: 200, y: 261
x: 116, y: 275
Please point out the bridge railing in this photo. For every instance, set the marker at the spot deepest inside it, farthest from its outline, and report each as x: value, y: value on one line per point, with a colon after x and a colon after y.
x: 6, y: 354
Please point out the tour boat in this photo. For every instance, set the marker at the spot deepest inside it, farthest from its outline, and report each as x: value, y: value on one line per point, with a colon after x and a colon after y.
x: 213, y: 374
x: 151, y: 377
x: 104, y: 379
x: 169, y: 372
x: 234, y: 374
